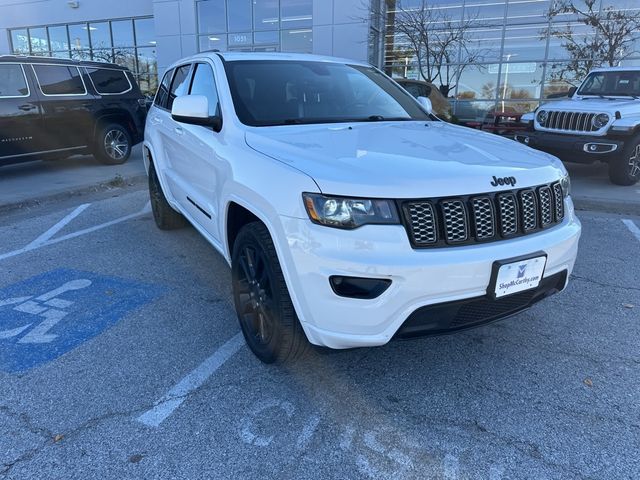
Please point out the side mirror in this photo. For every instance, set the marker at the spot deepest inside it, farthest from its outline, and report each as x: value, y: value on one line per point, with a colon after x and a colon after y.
x: 194, y: 110
x: 425, y: 103
x: 571, y: 91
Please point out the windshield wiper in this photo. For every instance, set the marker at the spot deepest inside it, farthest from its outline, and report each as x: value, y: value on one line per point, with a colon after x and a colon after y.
x: 371, y: 118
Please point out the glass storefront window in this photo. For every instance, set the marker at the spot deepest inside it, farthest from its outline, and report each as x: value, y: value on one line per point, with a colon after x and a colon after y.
x: 485, y: 11
x: 59, y: 39
x: 239, y: 15
x: 559, y: 79
x: 20, y: 41
x: 482, y: 44
x: 523, y: 43
x: 520, y: 81
x: 39, y: 41
x: 216, y: 41
x: 265, y: 15
x: 145, y: 33
x: 527, y: 12
x: 212, y: 16
x: 147, y: 60
x: 296, y: 13
x: 261, y: 38
x: 478, y: 82
x: 79, y: 36
x: 297, y: 41
x: 122, y: 32
x: 100, y: 35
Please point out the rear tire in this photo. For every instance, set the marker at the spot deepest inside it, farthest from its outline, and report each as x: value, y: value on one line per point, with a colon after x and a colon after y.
x: 267, y: 318
x: 165, y: 216
x: 626, y: 169
x: 113, y: 144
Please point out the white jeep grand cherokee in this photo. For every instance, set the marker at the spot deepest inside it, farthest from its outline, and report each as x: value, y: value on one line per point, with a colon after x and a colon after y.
x: 349, y: 214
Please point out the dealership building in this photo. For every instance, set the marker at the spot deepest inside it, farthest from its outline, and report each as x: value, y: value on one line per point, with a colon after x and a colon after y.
x: 516, y: 67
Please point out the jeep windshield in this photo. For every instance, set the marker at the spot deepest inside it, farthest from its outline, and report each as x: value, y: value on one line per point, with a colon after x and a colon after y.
x: 612, y: 83
x: 272, y: 92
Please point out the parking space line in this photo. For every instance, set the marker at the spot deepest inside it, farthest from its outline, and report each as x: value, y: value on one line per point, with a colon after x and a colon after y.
x: 633, y: 228
x: 58, y: 226
x: 31, y: 246
x: 174, y: 397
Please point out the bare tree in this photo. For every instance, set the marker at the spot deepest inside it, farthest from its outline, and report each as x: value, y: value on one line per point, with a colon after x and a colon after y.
x: 609, y: 38
x: 440, y: 45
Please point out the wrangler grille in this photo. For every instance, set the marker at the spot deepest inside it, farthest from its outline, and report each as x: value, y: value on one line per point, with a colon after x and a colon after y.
x: 570, y: 121
x: 484, y: 217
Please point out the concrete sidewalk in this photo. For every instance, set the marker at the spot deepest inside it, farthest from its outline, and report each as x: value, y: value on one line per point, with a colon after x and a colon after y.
x: 34, y: 183
x: 38, y: 182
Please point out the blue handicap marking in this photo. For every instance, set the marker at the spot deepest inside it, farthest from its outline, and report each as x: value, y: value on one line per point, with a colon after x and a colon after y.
x: 46, y: 316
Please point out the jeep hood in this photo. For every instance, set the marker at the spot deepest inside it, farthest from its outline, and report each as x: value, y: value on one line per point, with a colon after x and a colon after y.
x: 404, y: 159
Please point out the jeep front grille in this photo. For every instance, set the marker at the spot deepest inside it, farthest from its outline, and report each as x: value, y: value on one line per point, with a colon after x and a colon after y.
x: 570, y: 121
x: 482, y: 218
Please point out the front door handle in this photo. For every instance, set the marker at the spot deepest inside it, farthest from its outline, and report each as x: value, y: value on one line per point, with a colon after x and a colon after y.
x: 26, y: 107
x: 178, y: 130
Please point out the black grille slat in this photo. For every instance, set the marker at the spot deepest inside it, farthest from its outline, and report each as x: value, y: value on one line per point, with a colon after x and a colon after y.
x: 437, y: 222
x: 423, y: 223
x: 558, y: 202
x: 484, y: 218
x: 546, y: 215
x: 456, y: 223
x: 529, y: 207
x: 508, y: 209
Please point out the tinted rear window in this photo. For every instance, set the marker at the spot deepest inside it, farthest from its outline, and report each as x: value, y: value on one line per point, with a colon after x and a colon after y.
x: 109, y: 81
x: 163, y: 90
x: 12, y: 81
x: 59, y: 80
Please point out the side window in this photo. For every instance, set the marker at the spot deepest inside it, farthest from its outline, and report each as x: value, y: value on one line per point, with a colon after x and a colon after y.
x: 180, y: 84
x: 204, y: 84
x: 413, y: 89
x: 108, y: 81
x: 59, y: 80
x: 12, y: 81
x: 163, y: 90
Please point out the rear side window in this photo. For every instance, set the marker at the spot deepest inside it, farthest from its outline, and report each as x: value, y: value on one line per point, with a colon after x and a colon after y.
x: 59, y: 80
x: 163, y: 90
x: 109, y: 82
x: 12, y: 81
x: 180, y: 84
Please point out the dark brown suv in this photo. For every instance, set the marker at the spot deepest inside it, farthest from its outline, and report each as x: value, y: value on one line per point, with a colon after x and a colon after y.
x: 52, y: 108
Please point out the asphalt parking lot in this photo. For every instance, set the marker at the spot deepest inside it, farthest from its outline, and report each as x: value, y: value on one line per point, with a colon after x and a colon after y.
x: 120, y: 357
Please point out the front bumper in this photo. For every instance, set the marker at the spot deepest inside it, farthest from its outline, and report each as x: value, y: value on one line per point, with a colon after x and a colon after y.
x: 419, y: 277
x: 573, y: 148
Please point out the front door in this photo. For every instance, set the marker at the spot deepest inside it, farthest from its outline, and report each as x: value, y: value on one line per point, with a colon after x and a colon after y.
x: 20, y: 120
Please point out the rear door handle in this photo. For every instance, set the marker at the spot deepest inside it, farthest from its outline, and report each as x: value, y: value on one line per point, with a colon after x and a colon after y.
x: 178, y: 130
x: 156, y: 120
x: 26, y: 107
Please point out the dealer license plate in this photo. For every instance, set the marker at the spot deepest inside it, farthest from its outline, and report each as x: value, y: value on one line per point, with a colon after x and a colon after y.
x: 518, y: 276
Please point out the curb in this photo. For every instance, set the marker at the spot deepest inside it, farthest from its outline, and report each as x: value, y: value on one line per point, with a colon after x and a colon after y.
x: 116, y: 183
x: 604, y: 205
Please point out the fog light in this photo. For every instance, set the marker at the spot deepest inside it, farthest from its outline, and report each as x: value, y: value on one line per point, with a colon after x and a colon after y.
x: 526, y: 140
x: 593, y: 147
x: 358, y: 287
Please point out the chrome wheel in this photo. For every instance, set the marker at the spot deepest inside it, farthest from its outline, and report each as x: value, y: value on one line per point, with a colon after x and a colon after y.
x: 116, y: 144
x: 634, y: 162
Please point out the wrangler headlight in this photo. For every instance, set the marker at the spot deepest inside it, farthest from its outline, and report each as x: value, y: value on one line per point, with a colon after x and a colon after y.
x: 600, y: 120
x: 542, y: 117
x: 349, y: 213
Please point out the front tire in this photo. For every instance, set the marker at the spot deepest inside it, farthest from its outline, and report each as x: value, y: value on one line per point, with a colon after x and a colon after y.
x: 165, y: 216
x: 626, y: 170
x: 113, y: 145
x: 267, y: 318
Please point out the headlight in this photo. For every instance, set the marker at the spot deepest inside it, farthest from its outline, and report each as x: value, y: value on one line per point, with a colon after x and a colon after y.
x: 542, y: 117
x: 565, y: 183
x: 349, y: 213
x: 600, y: 120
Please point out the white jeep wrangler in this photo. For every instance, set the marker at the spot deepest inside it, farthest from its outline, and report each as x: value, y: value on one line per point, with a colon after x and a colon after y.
x: 601, y: 121
x: 348, y: 213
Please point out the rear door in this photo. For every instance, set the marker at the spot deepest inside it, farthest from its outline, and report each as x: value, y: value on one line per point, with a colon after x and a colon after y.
x: 67, y: 106
x: 20, y: 119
